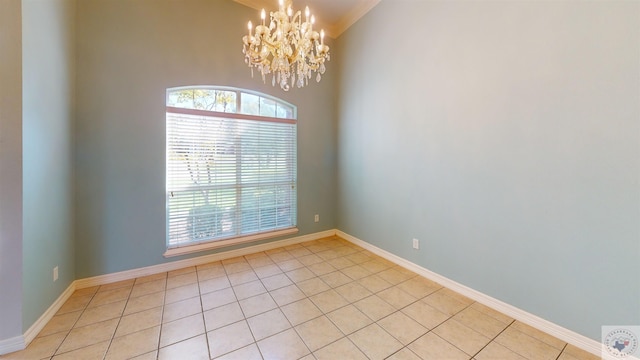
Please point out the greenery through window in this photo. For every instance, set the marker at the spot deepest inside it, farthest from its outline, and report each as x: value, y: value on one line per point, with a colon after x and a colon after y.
x: 231, y: 165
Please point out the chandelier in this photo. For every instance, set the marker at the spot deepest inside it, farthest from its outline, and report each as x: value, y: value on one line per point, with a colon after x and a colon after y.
x: 288, y: 48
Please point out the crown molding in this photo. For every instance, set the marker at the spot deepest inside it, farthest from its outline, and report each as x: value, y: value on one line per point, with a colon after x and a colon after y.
x: 331, y: 30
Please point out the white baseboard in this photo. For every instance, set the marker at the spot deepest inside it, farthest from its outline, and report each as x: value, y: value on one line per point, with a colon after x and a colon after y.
x: 200, y: 260
x: 12, y: 344
x: 573, y: 338
x: 566, y: 335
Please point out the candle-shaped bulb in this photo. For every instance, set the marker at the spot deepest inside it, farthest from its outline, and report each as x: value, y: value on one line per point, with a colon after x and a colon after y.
x: 322, y: 37
x: 263, y: 15
x: 306, y: 13
x: 313, y: 19
x: 250, y: 26
x: 281, y: 3
x: 289, y: 11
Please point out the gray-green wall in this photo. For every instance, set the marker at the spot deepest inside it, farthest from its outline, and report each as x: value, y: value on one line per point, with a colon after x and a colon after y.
x: 10, y: 169
x: 128, y: 54
x: 505, y: 136
x: 48, y: 91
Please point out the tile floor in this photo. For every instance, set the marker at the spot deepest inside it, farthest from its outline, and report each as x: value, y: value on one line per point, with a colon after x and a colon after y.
x: 324, y: 299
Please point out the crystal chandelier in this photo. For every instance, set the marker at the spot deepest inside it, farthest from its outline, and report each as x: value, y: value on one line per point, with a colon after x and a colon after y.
x: 288, y: 48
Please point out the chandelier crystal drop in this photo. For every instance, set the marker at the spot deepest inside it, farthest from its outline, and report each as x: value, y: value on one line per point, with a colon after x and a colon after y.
x: 288, y: 48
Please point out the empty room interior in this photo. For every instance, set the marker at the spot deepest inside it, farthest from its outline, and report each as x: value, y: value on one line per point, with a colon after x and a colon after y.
x: 463, y: 181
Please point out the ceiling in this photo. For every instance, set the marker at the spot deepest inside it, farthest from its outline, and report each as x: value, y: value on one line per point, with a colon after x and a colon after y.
x: 334, y: 16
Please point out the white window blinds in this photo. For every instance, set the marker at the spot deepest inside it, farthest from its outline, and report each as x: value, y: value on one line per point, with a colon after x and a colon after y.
x: 228, y: 174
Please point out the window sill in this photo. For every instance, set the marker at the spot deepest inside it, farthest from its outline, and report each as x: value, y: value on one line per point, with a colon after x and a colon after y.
x: 189, y: 249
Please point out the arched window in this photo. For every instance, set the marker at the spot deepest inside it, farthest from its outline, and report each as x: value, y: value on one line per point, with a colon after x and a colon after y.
x: 231, y: 168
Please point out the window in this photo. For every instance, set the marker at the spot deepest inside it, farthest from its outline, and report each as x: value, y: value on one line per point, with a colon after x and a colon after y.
x: 231, y: 168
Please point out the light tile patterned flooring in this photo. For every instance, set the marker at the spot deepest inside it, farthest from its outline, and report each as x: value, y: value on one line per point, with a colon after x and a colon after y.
x: 324, y: 299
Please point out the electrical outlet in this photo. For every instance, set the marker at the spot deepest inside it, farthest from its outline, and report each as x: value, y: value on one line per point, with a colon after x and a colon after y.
x: 55, y: 273
x: 416, y: 244
x: 316, y: 218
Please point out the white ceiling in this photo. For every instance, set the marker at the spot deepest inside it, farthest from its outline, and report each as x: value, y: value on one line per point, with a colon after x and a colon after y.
x: 334, y: 16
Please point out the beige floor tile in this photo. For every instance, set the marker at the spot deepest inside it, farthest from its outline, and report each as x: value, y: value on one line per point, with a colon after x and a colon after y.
x: 444, y: 303
x: 374, y: 342
x: 281, y: 256
x: 299, y: 275
x: 242, y: 277
x: 402, y: 327
x: 336, y: 279
x: 192, y: 349
x: 496, y: 351
x: 301, y: 311
x: 419, y: 287
x: 287, y: 295
x: 233, y: 260
x: 461, y: 336
x: 268, y: 323
x: 218, y: 298
x: 404, y: 354
x: 328, y: 254
x: 321, y: 268
x: 525, y: 345
x: 359, y: 258
x: 310, y: 259
x: 152, y: 355
x: 396, y: 297
x: 284, y: 345
x: 249, y: 289
x: 75, y: 303
x: 276, y: 281
x: 250, y: 352
x: 229, y: 338
x: 432, y: 347
x: 374, y: 283
x: 91, y: 352
x: 318, y: 332
x: 491, y: 312
x: 223, y: 316
x: 374, y: 307
x: 134, y: 344
x: 375, y: 266
x: 60, y: 323
x: 289, y: 265
x: 341, y: 263
x: 101, y: 313
x: 182, y: 280
x: 86, y: 291
x: 144, y: 302
x: 300, y: 252
x: 349, y: 319
x: 425, y: 315
x: 139, y: 321
x: 39, y: 348
x: 148, y: 287
x: 571, y: 352
x: 181, y: 329
x: 341, y: 349
x: 181, y: 293
x: 260, y: 261
x: 181, y: 309
x: 480, y: 322
x: 237, y: 267
x: 537, y: 334
x: 88, y: 335
x: 257, y: 305
x: 328, y: 301
x: 181, y: 271
x: 154, y: 277
x: 313, y: 286
x: 393, y: 276
x: 211, y: 273
x: 214, y: 284
x: 267, y: 271
x: 117, y: 285
x: 353, y: 291
x: 355, y: 272
x: 209, y: 265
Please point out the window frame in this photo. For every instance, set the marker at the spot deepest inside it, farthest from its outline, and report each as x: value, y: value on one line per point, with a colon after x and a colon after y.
x: 291, y: 118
